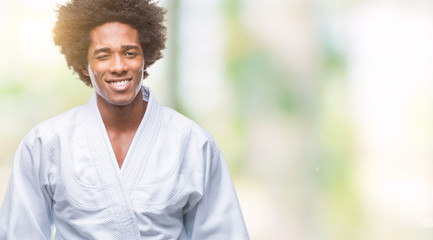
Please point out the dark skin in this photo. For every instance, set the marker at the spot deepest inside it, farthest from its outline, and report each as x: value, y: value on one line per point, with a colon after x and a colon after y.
x: 116, y: 69
x: 122, y: 123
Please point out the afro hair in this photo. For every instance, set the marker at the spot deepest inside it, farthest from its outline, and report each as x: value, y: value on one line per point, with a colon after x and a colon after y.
x: 77, y: 18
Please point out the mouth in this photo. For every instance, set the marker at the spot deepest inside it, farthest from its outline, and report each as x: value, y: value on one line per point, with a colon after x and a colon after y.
x: 118, y: 84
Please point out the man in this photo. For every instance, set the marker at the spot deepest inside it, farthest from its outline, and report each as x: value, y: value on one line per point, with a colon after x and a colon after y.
x: 121, y: 166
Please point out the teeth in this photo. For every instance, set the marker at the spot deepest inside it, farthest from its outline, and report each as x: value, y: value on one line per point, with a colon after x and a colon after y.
x: 120, y: 83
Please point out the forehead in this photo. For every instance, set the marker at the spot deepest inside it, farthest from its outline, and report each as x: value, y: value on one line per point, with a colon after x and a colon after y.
x: 113, y: 35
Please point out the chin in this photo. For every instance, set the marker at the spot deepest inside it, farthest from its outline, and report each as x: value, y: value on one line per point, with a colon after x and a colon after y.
x: 121, y: 102
x: 118, y: 100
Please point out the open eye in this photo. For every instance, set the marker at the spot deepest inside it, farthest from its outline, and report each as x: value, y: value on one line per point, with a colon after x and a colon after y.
x: 130, y: 54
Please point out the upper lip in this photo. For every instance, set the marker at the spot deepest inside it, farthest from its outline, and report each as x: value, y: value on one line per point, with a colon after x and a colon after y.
x: 118, y: 79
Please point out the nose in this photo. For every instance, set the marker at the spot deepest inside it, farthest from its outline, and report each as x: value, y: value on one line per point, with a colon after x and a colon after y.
x: 117, y: 65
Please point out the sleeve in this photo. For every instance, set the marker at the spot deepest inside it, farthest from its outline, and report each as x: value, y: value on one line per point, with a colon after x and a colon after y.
x: 25, y: 213
x: 216, y: 214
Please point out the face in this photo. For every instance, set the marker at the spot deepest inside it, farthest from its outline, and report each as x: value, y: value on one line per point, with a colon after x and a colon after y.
x: 115, y: 62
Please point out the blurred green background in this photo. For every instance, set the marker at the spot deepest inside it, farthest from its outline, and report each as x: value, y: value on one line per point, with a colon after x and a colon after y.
x: 323, y: 108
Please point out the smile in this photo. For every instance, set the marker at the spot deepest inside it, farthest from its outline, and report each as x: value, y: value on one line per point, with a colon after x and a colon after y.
x: 119, y: 83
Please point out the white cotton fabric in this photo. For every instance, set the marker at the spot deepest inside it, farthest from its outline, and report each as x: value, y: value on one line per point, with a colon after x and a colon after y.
x: 173, y: 184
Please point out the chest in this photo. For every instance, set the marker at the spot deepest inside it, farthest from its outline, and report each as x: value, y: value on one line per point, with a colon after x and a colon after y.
x: 121, y: 142
x: 150, y: 191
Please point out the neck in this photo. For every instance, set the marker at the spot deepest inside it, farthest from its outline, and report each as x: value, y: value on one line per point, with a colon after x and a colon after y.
x: 122, y: 118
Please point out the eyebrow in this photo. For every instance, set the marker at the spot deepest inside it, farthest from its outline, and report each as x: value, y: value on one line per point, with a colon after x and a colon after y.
x: 99, y: 50
x: 124, y: 48
x: 129, y: 47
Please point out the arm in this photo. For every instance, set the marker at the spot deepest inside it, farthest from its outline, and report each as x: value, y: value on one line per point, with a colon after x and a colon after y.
x: 25, y: 213
x: 217, y: 214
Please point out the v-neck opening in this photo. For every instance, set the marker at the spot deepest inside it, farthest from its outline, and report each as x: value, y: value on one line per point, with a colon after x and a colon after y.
x: 139, y: 152
x: 142, y: 144
x: 114, y: 185
x: 140, y: 128
x: 146, y: 98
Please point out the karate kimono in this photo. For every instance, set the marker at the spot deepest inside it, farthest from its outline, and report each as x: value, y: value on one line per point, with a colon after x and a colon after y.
x: 174, y: 182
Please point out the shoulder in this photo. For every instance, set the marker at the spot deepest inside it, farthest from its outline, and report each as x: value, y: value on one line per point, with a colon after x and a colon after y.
x: 42, y: 143
x: 53, y: 127
x: 195, y: 134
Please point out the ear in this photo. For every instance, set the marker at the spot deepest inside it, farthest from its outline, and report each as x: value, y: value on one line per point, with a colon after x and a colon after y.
x: 85, y: 71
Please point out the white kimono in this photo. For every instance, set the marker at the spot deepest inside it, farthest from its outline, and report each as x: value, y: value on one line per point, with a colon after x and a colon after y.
x: 173, y: 184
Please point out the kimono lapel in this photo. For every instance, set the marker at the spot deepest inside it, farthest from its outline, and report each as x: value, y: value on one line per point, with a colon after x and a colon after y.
x: 141, y: 146
x: 109, y: 172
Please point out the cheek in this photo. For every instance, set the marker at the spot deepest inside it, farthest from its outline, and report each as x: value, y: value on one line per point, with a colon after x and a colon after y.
x: 97, y: 73
x: 139, y: 66
x: 139, y: 69
x: 93, y: 77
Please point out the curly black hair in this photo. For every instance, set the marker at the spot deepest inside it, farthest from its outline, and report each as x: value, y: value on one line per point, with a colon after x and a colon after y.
x: 77, y: 18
